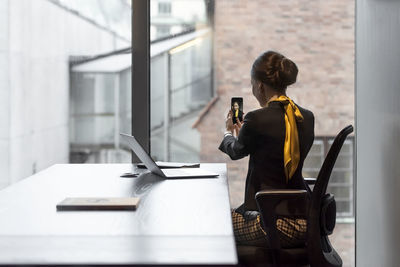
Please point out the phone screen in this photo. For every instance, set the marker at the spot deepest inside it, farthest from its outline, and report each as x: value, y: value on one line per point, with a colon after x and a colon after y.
x: 237, y: 109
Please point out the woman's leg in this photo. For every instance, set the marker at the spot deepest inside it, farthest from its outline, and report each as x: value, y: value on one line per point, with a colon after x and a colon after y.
x: 248, y: 230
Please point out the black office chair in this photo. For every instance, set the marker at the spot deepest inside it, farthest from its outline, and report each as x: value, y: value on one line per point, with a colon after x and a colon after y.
x: 319, y: 211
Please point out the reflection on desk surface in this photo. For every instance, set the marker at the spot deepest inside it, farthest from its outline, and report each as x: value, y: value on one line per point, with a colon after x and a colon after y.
x: 176, y: 207
x: 178, y: 221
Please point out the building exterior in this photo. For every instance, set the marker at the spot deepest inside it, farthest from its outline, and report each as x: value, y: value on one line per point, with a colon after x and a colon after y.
x: 37, y: 39
x: 169, y: 17
x: 100, y: 100
x: 319, y: 37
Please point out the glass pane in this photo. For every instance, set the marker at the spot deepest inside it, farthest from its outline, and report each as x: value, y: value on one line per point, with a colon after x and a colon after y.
x: 173, y: 17
x: 341, y: 182
x: 158, y: 89
x: 341, y: 192
x: 206, y: 49
x: 346, y: 148
x: 125, y: 100
x: 344, y: 162
x: 317, y: 148
x: 61, y: 99
x: 341, y: 177
x: 309, y: 174
x: 113, y: 15
x: 343, y: 207
x: 314, y: 162
x: 181, y: 77
x: 100, y: 89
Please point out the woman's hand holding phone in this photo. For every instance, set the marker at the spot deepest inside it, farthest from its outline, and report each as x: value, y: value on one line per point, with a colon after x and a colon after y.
x: 237, y: 126
x: 228, y: 123
x: 230, y: 127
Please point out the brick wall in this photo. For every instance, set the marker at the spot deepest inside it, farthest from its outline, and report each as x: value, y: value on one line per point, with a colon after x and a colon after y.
x: 317, y: 35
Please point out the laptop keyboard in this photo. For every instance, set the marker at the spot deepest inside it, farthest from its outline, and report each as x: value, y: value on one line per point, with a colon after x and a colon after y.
x: 172, y: 172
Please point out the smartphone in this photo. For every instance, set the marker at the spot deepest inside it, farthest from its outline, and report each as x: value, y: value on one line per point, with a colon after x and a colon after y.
x: 237, y: 109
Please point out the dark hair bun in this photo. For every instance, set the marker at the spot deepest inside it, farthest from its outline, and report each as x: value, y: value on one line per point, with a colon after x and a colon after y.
x: 275, y: 70
x: 288, y: 72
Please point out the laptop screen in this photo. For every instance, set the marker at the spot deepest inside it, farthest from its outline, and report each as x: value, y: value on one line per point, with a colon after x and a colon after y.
x: 142, y: 154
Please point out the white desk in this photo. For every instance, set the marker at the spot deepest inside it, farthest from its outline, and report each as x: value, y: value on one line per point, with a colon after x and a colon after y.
x: 183, y: 221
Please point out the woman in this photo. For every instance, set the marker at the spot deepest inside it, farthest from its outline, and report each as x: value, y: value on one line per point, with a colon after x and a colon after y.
x: 237, y: 114
x: 277, y: 137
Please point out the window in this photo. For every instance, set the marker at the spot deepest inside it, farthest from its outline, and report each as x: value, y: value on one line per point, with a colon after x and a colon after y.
x: 181, y: 86
x: 55, y: 108
x: 188, y: 130
x: 164, y: 8
x: 66, y: 98
x: 314, y: 159
x: 100, y: 109
x: 341, y: 181
x: 163, y: 31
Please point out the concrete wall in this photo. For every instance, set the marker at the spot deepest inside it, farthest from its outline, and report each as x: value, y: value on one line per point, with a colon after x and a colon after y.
x: 378, y: 132
x: 36, y: 39
x: 4, y: 96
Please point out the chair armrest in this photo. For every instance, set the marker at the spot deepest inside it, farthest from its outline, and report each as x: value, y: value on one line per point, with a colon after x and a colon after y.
x: 310, y: 181
x: 273, y: 204
x: 284, y: 193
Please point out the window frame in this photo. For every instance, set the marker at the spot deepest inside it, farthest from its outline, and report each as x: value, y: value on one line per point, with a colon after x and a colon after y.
x: 141, y: 74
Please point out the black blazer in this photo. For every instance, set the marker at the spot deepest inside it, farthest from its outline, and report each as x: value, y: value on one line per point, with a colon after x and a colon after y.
x: 262, y: 136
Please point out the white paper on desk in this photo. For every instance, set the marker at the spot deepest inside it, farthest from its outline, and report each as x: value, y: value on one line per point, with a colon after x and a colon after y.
x: 166, y: 165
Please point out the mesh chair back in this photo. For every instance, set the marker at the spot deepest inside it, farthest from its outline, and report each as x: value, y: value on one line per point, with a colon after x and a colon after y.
x: 322, y: 210
x: 329, y: 162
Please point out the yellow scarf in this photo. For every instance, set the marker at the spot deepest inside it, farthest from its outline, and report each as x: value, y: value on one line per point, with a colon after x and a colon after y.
x: 236, y: 113
x: 291, y: 149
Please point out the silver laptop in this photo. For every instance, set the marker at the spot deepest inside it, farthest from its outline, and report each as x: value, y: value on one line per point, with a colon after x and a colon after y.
x: 166, y: 173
